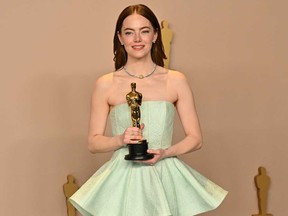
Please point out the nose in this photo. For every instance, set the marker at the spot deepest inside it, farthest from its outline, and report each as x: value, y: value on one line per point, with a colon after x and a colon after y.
x: 137, y: 37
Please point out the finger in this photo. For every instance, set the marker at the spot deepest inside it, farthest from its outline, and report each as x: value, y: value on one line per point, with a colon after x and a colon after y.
x: 133, y: 141
x: 153, y: 151
x: 151, y: 161
x: 136, y: 135
x: 148, y: 162
x: 135, y: 131
x: 132, y: 133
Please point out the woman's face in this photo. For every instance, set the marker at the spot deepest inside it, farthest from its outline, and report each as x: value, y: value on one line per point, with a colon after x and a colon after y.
x: 137, y: 35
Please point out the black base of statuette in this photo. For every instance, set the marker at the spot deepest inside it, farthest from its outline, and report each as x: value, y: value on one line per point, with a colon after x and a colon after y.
x: 138, y: 151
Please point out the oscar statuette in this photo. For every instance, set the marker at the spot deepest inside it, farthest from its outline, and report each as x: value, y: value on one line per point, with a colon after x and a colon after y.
x: 136, y: 151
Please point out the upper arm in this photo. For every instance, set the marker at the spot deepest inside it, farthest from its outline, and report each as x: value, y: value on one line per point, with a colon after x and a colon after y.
x: 99, y: 107
x: 185, y: 106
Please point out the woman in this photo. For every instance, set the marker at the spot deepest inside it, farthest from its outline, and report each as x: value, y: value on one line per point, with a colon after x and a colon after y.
x: 163, y: 185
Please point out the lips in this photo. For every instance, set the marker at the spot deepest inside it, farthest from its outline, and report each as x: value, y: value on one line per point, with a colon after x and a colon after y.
x: 138, y: 47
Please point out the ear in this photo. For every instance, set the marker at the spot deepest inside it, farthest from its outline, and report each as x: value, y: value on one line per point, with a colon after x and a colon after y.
x: 155, y: 35
x: 119, y: 37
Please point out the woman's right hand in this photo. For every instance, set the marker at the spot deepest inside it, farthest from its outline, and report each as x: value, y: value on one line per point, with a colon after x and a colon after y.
x: 132, y: 135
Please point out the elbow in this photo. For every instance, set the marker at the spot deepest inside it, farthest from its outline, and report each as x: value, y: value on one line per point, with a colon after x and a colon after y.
x: 195, y: 144
x: 198, y: 143
x: 91, y: 149
x: 91, y: 146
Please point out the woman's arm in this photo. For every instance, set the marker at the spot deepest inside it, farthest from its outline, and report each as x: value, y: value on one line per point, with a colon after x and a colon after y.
x: 189, y: 119
x: 97, y: 142
x: 188, y: 116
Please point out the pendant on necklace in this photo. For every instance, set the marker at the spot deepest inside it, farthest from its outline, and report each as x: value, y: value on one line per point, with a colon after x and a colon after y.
x: 141, y: 76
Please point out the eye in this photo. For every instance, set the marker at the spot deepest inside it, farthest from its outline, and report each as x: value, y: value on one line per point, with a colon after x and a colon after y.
x: 146, y: 31
x: 128, y: 33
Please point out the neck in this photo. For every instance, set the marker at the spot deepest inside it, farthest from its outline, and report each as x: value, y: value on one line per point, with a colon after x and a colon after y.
x: 140, y: 67
x: 140, y: 75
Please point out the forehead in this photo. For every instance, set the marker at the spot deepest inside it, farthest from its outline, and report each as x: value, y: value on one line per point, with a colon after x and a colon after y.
x: 135, y: 21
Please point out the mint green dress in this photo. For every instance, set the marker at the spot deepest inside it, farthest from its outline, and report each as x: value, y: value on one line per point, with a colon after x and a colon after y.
x: 126, y: 188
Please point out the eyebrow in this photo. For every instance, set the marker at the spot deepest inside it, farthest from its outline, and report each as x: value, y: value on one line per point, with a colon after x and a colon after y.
x: 131, y: 29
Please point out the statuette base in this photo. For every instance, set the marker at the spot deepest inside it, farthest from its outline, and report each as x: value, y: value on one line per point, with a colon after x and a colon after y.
x: 138, y: 151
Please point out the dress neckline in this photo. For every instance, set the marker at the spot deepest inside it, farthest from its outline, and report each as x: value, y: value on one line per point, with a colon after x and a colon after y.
x: 144, y: 102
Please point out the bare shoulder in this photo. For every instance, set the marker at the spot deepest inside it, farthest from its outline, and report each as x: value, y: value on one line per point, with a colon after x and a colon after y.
x: 176, y: 77
x: 103, y: 86
x: 104, y: 83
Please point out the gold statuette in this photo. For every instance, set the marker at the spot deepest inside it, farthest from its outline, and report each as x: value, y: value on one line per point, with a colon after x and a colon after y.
x: 136, y: 151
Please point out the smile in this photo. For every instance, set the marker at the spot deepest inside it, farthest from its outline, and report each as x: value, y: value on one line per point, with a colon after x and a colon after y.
x: 138, y: 47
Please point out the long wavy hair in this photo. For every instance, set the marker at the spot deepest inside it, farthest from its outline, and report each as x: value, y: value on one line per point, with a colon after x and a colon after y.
x: 157, y: 50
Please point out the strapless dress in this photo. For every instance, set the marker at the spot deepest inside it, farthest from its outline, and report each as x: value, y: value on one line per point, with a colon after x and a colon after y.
x: 127, y: 188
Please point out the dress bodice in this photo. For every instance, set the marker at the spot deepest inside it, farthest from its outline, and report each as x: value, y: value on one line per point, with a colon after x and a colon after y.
x: 157, y: 116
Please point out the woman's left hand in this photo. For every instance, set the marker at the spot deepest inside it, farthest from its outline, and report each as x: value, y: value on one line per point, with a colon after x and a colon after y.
x: 158, y: 155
